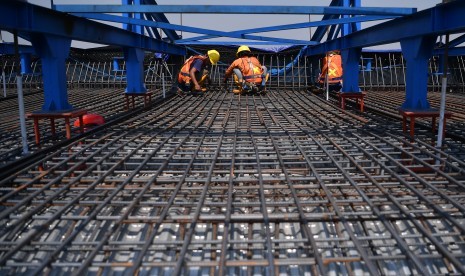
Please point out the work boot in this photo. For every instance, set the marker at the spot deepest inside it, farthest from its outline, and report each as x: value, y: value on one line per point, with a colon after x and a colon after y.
x: 245, y: 87
x: 180, y: 93
x: 238, y: 88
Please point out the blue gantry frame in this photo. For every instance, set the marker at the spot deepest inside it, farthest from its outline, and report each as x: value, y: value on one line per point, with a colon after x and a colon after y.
x: 25, y: 53
x: 340, y: 26
x: 332, y: 13
x: 417, y: 34
x: 51, y: 32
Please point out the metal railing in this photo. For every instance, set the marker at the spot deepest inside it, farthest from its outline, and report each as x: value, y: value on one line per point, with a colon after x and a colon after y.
x: 378, y: 71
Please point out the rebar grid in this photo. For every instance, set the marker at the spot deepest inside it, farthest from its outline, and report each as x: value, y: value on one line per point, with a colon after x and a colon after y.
x: 105, y: 102
x: 238, y: 184
x: 389, y: 101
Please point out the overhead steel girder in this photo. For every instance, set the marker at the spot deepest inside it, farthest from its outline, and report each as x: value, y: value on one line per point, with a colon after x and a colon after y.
x: 152, y: 32
x: 441, y: 19
x: 229, y: 9
x: 457, y: 41
x: 456, y: 51
x: 160, y: 17
x: 238, y: 43
x: 30, y: 18
x: 120, y: 19
x: 322, y: 30
x: 295, y: 26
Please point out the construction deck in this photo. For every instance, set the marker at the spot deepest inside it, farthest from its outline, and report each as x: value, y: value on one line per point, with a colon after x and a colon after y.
x: 240, y: 185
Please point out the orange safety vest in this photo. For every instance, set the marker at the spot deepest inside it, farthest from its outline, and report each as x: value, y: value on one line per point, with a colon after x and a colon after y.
x: 335, y: 69
x: 184, y: 76
x: 250, y: 68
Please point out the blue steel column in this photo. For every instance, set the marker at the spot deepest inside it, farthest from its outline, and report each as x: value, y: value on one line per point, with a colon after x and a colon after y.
x: 137, y: 28
x: 116, y: 63
x: 417, y: 52
x: 134, y: 70
x: 53, y: 51
x: 367, y: 63
x: 346, y: 28
x: 357, y: 26
x: 130, y: 27
x: 26, y: 63
x: 127, y: 27
x: 351, y: 27
x: 350, y: 61
x: 134, y: 57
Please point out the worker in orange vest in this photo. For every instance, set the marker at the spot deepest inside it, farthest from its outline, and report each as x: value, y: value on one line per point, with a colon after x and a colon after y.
x: 249, y: 74
x: 193, y: 75
x: 331, y: 69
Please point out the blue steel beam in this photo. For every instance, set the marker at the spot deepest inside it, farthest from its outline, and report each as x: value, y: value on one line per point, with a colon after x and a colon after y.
x: 120, y: 19
x: 295, y: 26
x: 356, y: 26
x: 457, y: 41
x: 457, y: 51
x: 149, y: 17
x: 160, y: 17
x: 232, y: 43
x: 134, y: 28
x: 441, y: 19
x: 321, y: 30
x: 333, y: 32
x: 229, y: 9
x: 152, y: 32
x: 350, y: 28
x: 30, y: 18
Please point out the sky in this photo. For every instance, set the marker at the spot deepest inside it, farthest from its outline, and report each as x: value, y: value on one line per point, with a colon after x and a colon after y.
x: 226, y: 22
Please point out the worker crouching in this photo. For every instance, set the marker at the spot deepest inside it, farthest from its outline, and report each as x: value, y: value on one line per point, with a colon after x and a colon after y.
x: 249, y: 75
x: 331, y: 71
x: 194, y: 75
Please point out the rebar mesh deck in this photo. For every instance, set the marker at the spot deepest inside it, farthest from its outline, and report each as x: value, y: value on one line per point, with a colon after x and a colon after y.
x: 239, y: 185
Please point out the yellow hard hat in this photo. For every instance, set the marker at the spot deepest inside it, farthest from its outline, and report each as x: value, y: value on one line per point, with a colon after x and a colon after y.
x: 242, y: 48
x: 214, y: 56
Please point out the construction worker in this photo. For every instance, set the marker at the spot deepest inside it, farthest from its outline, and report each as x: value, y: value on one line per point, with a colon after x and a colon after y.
x: 331, y: 70
x: 193, y: 75
x: 249, y: 74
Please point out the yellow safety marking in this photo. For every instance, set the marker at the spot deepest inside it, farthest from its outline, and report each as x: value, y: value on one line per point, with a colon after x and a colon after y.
x: 332, y: 72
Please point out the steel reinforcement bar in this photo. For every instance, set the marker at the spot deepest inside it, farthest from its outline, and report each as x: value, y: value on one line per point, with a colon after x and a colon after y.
x: 239, y: 184
x: 109, y: 103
